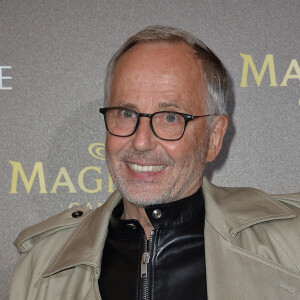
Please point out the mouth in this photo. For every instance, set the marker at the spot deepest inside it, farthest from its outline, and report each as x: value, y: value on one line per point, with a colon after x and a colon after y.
x: 139, y: 168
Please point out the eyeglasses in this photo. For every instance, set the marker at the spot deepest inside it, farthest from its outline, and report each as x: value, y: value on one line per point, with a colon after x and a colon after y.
x: 166, y: 125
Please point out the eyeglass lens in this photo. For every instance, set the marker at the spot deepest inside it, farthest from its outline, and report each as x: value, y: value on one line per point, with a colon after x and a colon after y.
x: 166, y: 125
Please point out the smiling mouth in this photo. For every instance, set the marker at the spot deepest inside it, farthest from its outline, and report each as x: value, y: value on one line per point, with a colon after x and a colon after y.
x: 139, y: 168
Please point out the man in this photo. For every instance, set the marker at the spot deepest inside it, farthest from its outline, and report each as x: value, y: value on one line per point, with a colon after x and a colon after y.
x: 167, y: 233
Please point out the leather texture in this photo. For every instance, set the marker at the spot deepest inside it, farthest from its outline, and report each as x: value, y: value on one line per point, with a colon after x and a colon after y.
x: 176, y: 268
x: 252, y: 247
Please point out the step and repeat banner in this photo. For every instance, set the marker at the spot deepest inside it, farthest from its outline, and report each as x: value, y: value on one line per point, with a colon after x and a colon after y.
x: 53, y: 57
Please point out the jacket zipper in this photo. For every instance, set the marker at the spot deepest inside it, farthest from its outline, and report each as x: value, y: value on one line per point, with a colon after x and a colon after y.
x: 144, y: 267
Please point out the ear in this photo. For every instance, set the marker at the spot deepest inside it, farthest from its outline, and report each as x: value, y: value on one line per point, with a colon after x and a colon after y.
x: 217, y: 132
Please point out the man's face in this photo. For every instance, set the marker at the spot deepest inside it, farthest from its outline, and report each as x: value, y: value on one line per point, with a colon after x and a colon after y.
x: 150, y: 78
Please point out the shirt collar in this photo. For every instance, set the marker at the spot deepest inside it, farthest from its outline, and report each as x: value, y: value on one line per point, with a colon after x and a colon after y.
x: 166, y: 215
x: 177, y: 213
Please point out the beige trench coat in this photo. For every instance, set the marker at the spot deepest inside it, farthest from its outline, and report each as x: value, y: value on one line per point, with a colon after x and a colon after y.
x: 252, y: 248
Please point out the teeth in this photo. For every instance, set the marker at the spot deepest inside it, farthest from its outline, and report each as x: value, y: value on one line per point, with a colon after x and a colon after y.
x: 139, y: 168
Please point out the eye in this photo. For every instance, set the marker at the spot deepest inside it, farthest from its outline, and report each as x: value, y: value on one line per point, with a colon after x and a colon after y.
x: 127, y: 114
x: 171, y: 117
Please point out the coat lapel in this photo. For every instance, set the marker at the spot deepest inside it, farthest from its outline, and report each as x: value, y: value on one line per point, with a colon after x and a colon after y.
x: 86, y: 244
x: 245, y: 259
x: 230, y: 210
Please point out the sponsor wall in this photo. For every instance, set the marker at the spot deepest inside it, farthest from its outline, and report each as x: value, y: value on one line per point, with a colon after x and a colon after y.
x: 52, y: 61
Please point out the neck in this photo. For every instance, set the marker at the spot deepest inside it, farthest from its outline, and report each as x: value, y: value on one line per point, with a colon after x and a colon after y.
x: 132, y: 211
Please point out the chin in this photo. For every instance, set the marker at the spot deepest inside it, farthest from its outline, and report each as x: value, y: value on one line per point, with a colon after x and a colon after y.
x: 143, y: 202
x: 144, y: 198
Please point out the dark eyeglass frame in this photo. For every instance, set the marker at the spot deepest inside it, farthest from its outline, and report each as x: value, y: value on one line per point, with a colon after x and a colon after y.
x: 187, y: 118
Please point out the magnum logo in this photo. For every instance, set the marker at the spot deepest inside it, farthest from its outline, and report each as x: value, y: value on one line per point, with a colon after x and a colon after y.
x: 292, y: 72
x: 63, y: 178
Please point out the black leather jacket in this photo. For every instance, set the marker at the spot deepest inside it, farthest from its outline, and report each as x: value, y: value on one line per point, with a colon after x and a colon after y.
x: 170, y: 265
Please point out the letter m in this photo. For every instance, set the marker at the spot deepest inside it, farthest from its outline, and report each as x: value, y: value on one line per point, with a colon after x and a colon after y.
x: 18, y: 169
x: 268, y: 62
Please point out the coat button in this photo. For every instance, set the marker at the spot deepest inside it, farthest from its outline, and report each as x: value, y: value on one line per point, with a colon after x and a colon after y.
x: 77, y: 214
x: 156, y: 214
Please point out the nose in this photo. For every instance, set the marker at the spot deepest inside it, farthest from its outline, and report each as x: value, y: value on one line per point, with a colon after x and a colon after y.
x: 144, y: 139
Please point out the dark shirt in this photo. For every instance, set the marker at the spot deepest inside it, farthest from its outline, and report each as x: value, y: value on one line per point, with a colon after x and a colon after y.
x: 176, y: 268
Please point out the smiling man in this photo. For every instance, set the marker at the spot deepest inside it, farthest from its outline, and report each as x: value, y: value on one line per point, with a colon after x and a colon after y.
x: 167, y: 232
x: 159, y: 158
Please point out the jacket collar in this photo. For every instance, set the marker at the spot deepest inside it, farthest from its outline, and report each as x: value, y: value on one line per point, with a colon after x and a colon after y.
x: 228, y: 210
x: 85, y: 245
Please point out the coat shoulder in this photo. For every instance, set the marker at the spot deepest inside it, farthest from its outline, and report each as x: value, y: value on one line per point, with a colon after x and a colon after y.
x: 69, y: 218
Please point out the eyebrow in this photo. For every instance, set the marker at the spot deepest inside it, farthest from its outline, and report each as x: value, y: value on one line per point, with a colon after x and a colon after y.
x: 168, y: 104
x: 127, y: 105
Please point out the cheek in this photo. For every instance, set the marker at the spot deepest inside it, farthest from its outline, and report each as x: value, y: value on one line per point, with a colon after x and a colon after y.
x: 178, y: 150
x: 113, y: 145
x: 196, y: 137
x: 191, y: 144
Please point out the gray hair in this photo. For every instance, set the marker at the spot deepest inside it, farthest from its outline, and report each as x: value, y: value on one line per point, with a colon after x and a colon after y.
x: 215, y: 75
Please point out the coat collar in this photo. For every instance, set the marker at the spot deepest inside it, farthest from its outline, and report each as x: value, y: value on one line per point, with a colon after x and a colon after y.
x: 228, y: 210
x: 85, y: 245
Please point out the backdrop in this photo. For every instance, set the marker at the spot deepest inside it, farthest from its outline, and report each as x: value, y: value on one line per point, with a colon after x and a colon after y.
x: 52, y: 62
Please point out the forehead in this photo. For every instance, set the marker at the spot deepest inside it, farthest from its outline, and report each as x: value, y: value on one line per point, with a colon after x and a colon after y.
x: 159, y: 72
